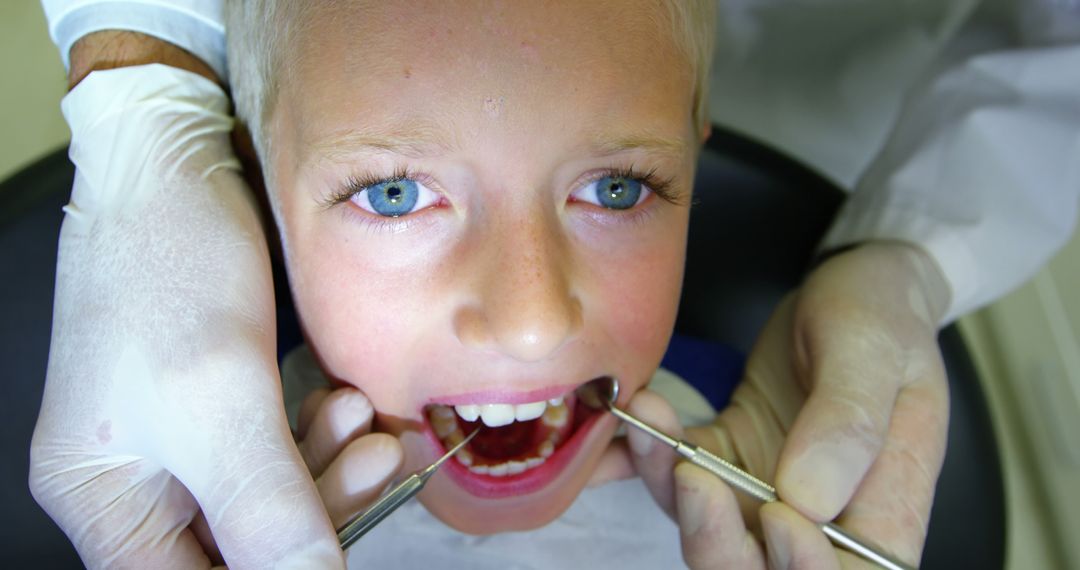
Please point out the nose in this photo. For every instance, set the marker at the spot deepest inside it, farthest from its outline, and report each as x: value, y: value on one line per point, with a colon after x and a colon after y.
x: 522, y: 302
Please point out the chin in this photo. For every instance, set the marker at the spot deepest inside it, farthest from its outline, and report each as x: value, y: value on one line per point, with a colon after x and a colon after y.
x: 518, y: 473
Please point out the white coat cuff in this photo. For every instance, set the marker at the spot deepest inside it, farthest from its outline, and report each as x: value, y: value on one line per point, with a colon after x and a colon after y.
x: 197, y: 27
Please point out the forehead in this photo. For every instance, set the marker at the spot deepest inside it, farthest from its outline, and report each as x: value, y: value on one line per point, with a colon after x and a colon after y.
x: 457, y: 66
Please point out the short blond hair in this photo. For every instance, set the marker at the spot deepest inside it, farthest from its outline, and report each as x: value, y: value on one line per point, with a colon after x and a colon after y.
x: 259, y: 30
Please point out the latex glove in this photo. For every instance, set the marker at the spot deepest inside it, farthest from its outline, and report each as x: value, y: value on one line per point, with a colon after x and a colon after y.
x: 844, y: 406
x: 162, y: 395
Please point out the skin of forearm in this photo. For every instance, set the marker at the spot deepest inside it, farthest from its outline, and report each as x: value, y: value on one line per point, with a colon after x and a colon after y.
x: 111, y: 49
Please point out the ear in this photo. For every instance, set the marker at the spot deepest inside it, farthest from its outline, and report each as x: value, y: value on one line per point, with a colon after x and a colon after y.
x: 706, y: 132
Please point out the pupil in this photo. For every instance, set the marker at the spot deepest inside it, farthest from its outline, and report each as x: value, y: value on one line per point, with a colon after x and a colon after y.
x: 394, y: 194
x: 615, y: 189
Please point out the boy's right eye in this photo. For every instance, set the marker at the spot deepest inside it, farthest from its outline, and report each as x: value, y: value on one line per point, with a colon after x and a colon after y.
x: 394, y: 198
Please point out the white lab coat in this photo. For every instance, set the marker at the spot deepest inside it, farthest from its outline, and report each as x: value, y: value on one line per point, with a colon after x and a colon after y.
x: 956, y: 124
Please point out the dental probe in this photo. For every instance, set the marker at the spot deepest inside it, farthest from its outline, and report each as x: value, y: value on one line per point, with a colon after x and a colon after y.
x: 601, y: 393
x: 399, y: 495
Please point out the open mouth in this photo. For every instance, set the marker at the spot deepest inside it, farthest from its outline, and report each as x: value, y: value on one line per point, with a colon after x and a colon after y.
x: 520, y: 447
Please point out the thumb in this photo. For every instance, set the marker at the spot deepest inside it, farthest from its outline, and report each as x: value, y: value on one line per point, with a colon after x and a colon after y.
x: 843, y: 425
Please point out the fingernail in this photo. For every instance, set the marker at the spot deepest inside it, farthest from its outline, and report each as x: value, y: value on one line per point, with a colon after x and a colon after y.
x: 689, y: 500
x: 776, y: 543
x: 824, y: 478
x: 641, y: 443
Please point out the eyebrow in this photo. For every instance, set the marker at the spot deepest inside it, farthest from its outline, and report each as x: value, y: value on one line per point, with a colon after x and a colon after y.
x: 608, y: 145
x: 417, y: 138
x: 413, y: 138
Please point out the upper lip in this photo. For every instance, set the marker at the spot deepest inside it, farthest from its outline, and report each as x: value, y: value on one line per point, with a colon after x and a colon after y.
x: 506, y: 395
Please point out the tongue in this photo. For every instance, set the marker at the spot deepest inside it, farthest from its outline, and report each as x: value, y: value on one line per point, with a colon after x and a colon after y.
x: 519, y: 439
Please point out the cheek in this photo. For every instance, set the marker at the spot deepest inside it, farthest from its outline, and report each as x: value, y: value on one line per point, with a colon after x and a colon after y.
x: 636, y: 295
x: 359, y: 315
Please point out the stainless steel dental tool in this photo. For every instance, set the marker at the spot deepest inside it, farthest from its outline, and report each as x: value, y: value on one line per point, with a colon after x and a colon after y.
x: 601, y: 393
x: 388, y: 503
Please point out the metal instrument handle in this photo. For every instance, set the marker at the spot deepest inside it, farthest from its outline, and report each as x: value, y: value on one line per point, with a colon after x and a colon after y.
x: 364, y: 522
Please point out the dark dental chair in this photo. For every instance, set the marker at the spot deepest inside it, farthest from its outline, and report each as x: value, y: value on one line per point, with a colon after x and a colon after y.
x: 757, y: 219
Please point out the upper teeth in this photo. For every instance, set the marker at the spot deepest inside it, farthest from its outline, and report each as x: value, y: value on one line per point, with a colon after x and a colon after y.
x: 495, y: 415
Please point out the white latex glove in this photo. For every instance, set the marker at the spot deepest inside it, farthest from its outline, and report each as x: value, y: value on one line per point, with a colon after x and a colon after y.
x: 162, y: 396
x: 844, y: 406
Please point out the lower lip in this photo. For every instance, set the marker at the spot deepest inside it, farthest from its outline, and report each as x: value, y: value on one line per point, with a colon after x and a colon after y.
x: 524, y: 483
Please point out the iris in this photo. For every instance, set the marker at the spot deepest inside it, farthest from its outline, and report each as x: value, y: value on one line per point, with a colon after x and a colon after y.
x: 617, y: 192
x: 393, y: 198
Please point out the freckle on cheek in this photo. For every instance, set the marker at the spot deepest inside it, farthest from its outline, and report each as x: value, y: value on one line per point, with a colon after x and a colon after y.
x: 493, y: 106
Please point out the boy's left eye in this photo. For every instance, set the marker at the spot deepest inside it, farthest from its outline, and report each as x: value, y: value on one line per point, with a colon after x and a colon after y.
x: 394, y: 198
x: 613, y: 192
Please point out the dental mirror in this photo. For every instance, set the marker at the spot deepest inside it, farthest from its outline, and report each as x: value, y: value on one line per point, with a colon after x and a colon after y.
x: 599, y: 393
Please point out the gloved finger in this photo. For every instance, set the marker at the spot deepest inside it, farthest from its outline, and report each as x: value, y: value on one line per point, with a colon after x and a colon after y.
x: 614, y: 464
x: 793, y: 542
x: 652, y: 460
x: 343, y: 416
x: 854, y: 377
x: 308, y: 408
x: 711, y: 526
x: 358, y: 475
x: 892, y: 507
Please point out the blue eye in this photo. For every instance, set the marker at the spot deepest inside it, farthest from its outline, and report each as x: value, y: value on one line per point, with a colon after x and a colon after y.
x: 613, y: 192
x: 394, y: 198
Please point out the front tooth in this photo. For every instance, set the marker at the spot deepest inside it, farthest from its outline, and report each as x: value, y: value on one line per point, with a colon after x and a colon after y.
x: 495, y: 415
x: 468, y: 412
x: 498, y: 470
x: 556, y: 401
x: 515, y: 467
x: 530, y: 411
x: 479, y: 469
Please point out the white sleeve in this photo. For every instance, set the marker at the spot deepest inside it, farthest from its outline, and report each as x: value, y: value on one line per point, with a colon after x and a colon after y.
x: 982, y: 169
x: 197, y: 26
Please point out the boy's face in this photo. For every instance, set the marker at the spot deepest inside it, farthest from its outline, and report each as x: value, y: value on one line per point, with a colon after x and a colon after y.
x: 535, y: 256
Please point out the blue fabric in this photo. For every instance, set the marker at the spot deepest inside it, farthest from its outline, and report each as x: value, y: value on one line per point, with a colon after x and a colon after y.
x: 712, y: 368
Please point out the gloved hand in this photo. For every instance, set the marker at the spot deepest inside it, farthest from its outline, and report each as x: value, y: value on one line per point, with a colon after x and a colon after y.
x: 844, y: 405
x: 162, y: 396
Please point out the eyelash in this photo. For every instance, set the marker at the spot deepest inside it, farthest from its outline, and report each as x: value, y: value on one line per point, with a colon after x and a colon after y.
x: 662, y: 187
x: 355, y: 184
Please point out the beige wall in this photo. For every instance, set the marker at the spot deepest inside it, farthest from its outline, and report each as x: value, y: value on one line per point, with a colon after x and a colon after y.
x: 33, y: 84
